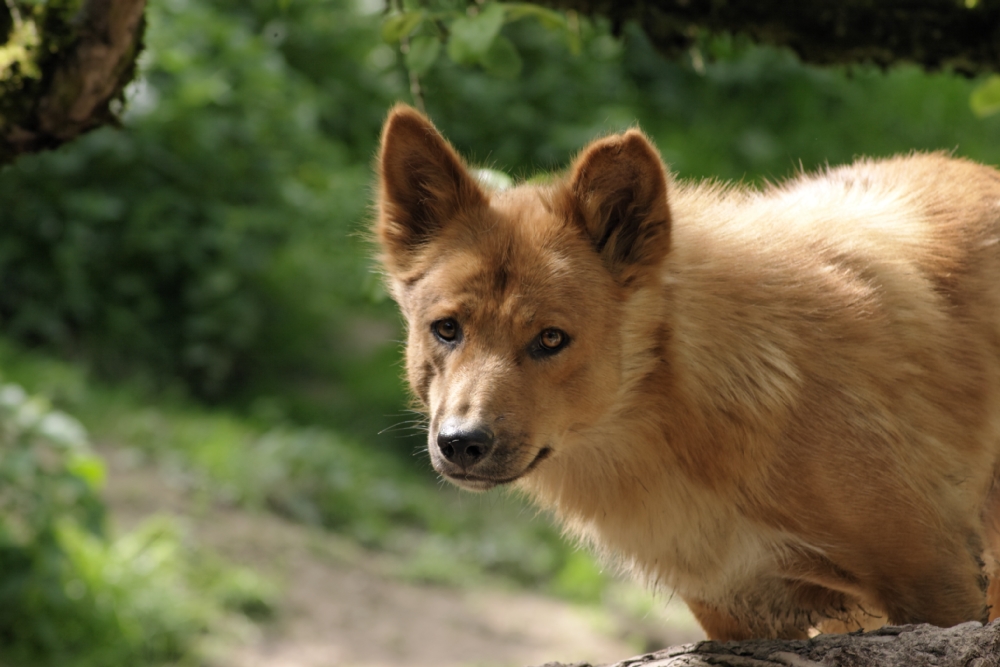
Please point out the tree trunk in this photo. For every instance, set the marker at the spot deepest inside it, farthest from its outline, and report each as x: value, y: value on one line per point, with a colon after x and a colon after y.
x: 963, y: 35
x: 66, y: 62
x: 966, y: 645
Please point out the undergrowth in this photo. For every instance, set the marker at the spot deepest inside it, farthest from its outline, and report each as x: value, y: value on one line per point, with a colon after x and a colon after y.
x: 71, y: 594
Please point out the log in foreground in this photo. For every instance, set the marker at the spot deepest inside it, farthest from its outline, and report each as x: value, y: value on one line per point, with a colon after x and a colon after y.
x: 966, y: 645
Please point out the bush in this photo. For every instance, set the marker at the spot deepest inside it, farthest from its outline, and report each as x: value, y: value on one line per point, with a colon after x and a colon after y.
x: 48, y: 480
x: 70, y: 596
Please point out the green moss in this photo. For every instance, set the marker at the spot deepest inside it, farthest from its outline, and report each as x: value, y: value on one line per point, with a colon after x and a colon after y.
x: 19, y: 49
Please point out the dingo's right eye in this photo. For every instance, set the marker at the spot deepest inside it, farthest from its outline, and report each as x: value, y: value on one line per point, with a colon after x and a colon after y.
x: 446, y: 330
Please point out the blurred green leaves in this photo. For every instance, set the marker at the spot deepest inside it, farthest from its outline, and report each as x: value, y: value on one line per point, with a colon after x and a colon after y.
x: 47, y: 471
x: 70, y: 595
x: 985, y: 99
x: 472, y: 34
x: 422, y: 53
x: 399, y: 26
x: 501, y: 59
x: 161, y: 251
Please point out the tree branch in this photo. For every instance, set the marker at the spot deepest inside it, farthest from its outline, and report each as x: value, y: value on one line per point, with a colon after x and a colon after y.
x: 935, y: 34
x: 79, y: 62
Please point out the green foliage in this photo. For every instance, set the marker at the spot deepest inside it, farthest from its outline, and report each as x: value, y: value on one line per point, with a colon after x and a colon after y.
x: 579, y: 579
x: 68, y: 594
x: 210, y: 245
x: 472, y: 33
x: 985, y: 99
x: 472, y: 36
x: 113, y: 272
x: 422, y: 53
x: 48, y: 478
x: 46, y: 470
x: 118, y: 602
x: 148, y: 249
x: 143, y: 246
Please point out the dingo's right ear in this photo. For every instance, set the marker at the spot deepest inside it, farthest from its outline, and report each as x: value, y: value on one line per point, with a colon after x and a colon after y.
x: 422, y: 183
x: 620, y: 189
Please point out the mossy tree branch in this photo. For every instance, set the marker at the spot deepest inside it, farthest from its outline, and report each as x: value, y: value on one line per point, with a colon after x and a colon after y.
x: 63, y: 64
x: 962, y: 35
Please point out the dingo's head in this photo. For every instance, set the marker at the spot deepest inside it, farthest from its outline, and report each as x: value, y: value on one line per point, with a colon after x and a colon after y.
x: 514, y: 298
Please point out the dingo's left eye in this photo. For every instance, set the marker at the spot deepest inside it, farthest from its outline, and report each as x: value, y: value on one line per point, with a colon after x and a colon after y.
x: 447, y: 330
x: 551, y: 341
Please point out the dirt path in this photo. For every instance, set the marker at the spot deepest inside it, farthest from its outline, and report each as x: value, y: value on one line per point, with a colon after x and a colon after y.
x: 341, y: 607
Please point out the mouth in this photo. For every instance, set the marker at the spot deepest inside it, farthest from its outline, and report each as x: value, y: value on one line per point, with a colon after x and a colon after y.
x: 482, y: 483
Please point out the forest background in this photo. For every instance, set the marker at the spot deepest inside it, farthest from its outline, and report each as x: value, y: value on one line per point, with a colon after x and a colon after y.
x: 196, y: 289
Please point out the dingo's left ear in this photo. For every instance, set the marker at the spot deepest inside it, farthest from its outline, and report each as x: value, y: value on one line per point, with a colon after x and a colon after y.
x: 422, y: 184
x: 620, y: 188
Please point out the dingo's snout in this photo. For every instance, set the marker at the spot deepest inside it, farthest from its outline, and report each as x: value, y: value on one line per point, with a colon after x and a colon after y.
x: 464, y: 444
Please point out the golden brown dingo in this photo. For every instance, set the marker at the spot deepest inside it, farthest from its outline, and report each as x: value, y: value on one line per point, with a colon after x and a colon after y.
x: 782, y: 403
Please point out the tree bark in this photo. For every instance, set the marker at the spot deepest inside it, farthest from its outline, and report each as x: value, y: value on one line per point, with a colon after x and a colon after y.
x: 966, y: 645
x: 962, y: 35
x: 76, y: 61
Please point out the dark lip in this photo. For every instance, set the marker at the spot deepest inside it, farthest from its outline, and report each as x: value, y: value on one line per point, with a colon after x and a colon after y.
x: 543, y: 454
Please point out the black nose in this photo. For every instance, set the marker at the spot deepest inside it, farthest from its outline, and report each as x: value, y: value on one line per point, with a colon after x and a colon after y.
x: 464, y: 444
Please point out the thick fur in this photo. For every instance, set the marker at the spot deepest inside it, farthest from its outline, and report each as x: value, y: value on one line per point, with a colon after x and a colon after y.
x: 784, y: 403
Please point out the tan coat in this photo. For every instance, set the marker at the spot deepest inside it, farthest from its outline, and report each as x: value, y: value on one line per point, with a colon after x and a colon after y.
x: 783, y: 403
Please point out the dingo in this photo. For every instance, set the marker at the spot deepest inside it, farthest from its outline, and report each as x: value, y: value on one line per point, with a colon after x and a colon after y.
x: 782, y: 403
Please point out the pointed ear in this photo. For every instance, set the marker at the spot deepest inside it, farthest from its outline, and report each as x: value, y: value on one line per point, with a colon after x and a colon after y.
x: 422, y: 184
x: 620, y: 190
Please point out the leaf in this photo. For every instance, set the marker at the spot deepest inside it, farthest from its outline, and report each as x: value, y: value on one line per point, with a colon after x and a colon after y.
x: 472, y: 36
x: 88, y: 468
x: 398, y: 26
x: 502, y: 59
x: 985, y: 99
x: 422, y: 54
x: 550, y: 19
x: 62, y: 430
